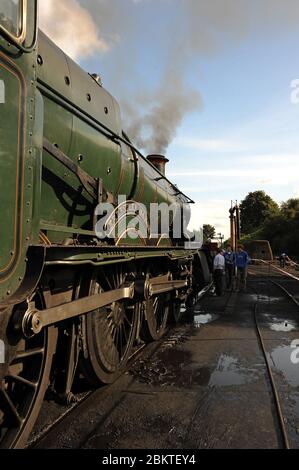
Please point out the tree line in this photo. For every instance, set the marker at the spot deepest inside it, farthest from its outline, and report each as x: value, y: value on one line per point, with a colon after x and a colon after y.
x: 263, y: 219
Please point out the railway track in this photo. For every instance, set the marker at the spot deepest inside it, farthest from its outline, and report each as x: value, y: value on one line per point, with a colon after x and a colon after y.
x: 265, y: 295
x: 289, y: 278
x: 42, y: 433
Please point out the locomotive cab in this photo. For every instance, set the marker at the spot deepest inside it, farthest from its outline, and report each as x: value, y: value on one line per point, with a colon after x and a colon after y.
x: 20, y: 147
x: 18, y: 23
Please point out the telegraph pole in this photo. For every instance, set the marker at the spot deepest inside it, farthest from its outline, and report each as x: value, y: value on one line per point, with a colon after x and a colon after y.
x: 235, y: 232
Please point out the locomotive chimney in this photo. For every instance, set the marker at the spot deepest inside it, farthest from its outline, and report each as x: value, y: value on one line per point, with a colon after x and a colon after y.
x: 159, y: 161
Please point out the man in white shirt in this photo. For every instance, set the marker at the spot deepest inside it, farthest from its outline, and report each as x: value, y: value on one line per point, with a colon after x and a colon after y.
x: 219, y: 270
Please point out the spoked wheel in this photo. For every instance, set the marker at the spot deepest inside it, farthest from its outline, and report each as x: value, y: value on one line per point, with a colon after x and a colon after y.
x: 23, y: 382
x: 109, y: 332
x: 155, y: 313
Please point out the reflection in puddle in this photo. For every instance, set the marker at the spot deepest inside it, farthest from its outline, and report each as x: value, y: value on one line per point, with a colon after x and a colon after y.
x: 228, y: 372
x: 264, y: 298
x: 280, y: 323
x: 203, y: 318
x: 283, y: 326
x: 198, y: 316
x: 281, y: 359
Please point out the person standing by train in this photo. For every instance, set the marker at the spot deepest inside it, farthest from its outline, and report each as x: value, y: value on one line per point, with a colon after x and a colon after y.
x: 283, y: 260
x: 230, y: 267
x: 219, y: 269
x: 242, y: 260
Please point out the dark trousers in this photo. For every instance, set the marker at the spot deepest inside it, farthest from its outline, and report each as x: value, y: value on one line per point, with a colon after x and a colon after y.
x: 241, y: 278
x: 230, y: 272
x: 218, y: 281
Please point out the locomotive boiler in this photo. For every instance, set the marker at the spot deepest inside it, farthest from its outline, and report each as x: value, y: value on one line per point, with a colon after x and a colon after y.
x: 71, y: 301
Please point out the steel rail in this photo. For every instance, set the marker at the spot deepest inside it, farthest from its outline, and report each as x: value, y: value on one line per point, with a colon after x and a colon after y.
x: 136, y: 354
x: 272, y: 382
x: 265, y: 354
x: 32, y: 444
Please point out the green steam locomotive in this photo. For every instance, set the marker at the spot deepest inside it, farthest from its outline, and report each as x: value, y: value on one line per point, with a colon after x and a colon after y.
x: 71, y: 300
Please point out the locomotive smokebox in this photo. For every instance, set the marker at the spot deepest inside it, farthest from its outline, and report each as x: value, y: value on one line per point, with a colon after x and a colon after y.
x: 159, y: 161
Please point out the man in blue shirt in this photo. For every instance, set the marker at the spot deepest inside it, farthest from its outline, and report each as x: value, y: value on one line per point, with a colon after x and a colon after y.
x: 242, y: 260
x: 229, y: 256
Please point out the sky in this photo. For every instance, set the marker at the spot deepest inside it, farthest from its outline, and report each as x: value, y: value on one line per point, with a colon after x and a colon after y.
x: 206, y: 82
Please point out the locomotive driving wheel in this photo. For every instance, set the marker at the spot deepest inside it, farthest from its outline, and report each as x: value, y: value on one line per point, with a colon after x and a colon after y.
x: 108, y: 333
x: 155, y: 313
x: 23, y: 382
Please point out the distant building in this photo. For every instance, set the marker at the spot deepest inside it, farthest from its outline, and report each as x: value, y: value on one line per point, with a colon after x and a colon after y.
x: 259, y: 249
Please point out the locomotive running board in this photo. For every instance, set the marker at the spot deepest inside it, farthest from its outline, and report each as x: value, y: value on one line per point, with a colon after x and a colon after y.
x: 35, y: 320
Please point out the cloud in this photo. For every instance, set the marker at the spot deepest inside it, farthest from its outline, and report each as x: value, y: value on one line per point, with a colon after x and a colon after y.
x: 191, y: 30
x: 214, y: 212
x: 250, y: 171
x: 199, y: 28
x: 72, y: 28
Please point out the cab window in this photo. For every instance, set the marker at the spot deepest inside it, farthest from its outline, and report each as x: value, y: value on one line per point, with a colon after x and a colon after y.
x: 12, y: 17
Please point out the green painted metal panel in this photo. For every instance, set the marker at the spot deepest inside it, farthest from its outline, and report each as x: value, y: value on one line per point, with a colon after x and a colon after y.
x: 11, y: 165
x: 19, y: 161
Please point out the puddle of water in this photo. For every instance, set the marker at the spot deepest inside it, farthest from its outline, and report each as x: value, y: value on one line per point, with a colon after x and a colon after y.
x: 203, y: 318
x: 283, y: 326
x: 264, y: 298
x: 228, y: 372
x: 281, y: 360
x: 280, y: 323
x: 198, y: 316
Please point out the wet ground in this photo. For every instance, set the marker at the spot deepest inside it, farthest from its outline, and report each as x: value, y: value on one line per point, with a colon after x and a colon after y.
x: 205, y: 385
